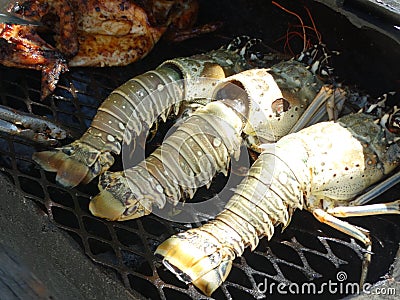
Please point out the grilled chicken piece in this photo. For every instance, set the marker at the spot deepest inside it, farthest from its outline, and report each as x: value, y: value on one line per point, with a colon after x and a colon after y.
x: 89, y: 33
x: 57, y: 15
x: 108, y: 32
x: 113, y: 33
x: 21, y: 47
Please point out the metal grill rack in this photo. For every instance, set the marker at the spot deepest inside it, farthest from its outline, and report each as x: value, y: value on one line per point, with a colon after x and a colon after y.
x: 306, y: 251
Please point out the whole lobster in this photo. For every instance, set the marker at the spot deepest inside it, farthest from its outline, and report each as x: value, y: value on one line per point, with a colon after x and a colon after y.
x: 321, y: 168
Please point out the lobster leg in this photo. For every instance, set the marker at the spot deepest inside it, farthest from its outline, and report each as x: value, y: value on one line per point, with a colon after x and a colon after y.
x: 366, y: 210
x: 358, y: 233
x: 327, y: 101
x: 377, y: 190
x: 329, y: 217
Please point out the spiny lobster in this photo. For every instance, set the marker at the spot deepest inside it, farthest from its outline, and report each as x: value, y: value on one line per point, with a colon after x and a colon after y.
x: 132, y: 108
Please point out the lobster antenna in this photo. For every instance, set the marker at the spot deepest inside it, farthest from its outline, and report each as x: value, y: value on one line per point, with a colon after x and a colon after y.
x: 298, y: 17
x: 318, y: 34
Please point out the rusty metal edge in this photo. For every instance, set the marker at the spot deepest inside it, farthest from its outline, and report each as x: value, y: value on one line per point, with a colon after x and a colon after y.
x: 370, y: 15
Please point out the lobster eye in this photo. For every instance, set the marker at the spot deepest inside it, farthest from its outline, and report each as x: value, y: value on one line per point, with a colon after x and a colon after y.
x: 130, y: 210
x: 256, y: 55
x: 394, y: 122
x: 279, y: 106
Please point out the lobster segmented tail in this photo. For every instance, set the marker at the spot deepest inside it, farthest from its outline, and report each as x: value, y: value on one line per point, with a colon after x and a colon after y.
x: 187, y: 159
x: 89, y: 156
x: 204, y: 255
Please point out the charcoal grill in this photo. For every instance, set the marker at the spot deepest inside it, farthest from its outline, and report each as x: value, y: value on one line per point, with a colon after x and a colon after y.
x: 306, y: 251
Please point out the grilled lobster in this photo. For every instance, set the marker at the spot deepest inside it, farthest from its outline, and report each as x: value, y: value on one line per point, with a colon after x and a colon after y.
x: 320, y: 168
x: 131, y: 109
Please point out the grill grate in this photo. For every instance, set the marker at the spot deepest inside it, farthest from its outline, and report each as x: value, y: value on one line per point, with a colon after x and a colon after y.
x: 306, y: 251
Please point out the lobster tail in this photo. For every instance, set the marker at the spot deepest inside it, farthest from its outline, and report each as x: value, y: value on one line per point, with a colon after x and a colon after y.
x: 197, y: 258
x: 204, y: 255
x: 188, y: 159
x: 122, y: 198
x: 57, y: 161
x: 75, y: 163
x: 104, y: 205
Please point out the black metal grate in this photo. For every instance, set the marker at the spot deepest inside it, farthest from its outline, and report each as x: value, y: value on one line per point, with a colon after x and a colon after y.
x: 305, y: 252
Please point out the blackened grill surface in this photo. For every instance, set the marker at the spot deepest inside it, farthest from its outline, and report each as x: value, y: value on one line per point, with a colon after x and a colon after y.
x: 39, y: 261
x: 306, y: 251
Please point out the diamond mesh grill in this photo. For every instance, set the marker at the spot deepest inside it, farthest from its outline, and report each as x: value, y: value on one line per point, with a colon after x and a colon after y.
x: 306, y: 251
